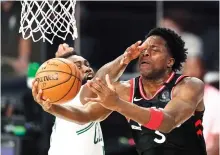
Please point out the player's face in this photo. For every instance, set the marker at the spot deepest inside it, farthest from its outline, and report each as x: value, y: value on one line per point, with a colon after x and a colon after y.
x: 83, y: 66
x: 155, y: 59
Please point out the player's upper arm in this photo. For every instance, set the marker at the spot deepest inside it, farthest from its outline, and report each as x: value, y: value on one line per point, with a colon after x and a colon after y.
x: 186, y: 97
x: 191, y: 89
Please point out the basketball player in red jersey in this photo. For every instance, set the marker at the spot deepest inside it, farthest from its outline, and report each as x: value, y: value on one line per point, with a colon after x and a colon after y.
x: 167, y: 108
x: 164, y: 109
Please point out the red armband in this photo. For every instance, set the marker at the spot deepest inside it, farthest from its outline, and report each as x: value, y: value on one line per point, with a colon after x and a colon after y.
x: 156, y: 118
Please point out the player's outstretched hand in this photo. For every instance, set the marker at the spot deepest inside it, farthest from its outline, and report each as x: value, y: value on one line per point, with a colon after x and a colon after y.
x: 37, y: 95
x: 63, y: 50
x: 106, y: 93
x: 131, y: 53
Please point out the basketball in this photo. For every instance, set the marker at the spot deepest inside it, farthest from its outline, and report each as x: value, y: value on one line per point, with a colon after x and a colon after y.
x: 59, y: 79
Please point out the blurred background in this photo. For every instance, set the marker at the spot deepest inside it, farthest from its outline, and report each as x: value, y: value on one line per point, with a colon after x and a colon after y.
x: 105, y: 30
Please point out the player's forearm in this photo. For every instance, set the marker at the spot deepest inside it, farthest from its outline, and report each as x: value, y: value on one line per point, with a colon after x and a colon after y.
x: 132, y: 111
x: 72, y: 114
x: 24, y: 49
x: 114, y: 68
x: 143, y: 115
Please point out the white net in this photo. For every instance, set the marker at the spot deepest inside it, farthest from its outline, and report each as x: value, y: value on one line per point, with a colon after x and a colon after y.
x: 48, y: 19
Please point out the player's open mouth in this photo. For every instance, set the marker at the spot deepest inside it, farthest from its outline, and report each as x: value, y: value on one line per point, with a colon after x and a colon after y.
x: 144, y: 64
x: 90, y: 75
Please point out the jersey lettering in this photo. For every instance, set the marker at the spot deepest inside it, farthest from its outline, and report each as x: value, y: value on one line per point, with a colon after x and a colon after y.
x: 136, y: 127
x: 162, y: 139
x: 98, y: 134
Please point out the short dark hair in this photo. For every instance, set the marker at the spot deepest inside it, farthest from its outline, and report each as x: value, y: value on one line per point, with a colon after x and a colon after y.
x: 175, y: 44
x: 67, y: 55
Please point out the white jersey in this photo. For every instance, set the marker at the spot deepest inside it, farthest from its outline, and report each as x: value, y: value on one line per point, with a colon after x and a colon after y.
x: 72, y: 139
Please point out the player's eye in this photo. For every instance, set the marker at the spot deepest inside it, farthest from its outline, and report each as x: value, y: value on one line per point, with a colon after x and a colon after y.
x: 87, y: 64
x: 78, y: 66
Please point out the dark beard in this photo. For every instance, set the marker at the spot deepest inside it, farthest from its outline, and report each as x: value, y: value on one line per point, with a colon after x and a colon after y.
x: 155, y: 75
x: 85, y: 79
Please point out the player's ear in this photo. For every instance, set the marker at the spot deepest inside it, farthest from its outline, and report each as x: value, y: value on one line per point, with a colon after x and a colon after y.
x: 171, y: 62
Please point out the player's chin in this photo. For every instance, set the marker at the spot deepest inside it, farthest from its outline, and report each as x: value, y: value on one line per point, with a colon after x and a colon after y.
x: 145, y: 73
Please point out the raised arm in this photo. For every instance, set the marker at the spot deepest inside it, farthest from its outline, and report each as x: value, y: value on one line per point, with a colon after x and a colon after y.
x: 114, y: 69
x: 24, y: 51
x: 187, y: 98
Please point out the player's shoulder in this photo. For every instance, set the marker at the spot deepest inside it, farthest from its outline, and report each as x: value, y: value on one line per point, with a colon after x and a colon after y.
x: 191, y: 83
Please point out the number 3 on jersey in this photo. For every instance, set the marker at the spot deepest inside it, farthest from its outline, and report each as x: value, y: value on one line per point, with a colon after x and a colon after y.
x: 163, y: 138
x: 160, y: 140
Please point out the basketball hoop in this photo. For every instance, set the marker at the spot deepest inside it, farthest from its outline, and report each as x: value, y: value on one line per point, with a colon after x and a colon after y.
x: 48, y: 18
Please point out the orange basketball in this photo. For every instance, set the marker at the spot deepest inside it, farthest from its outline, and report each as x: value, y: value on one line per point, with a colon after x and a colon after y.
x: 59, y: 79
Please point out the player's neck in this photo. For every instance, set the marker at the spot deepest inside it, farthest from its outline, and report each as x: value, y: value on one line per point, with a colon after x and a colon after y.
x: 152, y: 85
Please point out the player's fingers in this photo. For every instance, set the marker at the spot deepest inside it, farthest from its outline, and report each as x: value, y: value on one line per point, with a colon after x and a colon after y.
x: 34, y: 90
x: 70, y: 49
x: 93, y: 88
x: 63, y: 49
x: 56, y: 54
x: 65, y: 45
x: 33, y: 82
x: 38, y: 97
x: 128, y: 49
x: 141, y: 47
x: 60, y: 47
x: 47, y: 104
x: 59, y: 50
x: 133, y: 47
x: 66, y: 48
x: 97, y: 85
x: 137, y: 43
x: 108, y: 81
x: 107, y: 85
x: 93, y: 99
x: 102, y: 84
x: 47, y: 101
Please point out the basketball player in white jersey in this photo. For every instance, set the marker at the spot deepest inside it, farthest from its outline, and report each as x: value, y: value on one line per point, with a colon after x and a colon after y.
x: 76, y: 130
